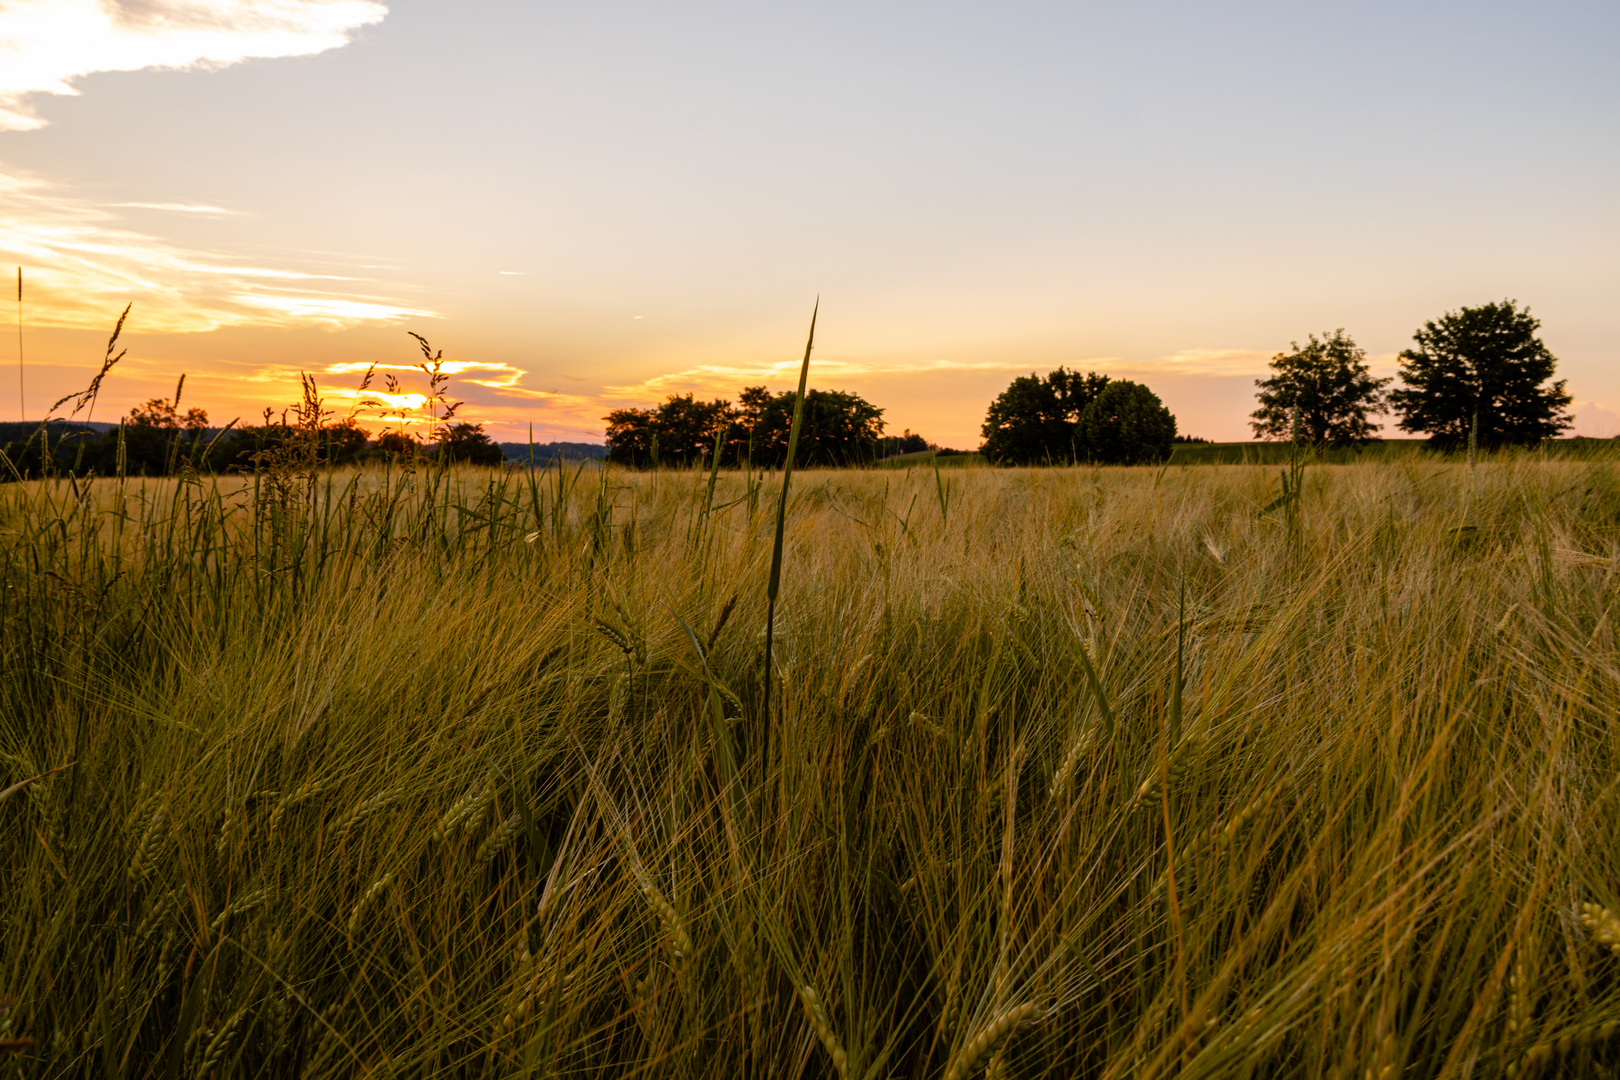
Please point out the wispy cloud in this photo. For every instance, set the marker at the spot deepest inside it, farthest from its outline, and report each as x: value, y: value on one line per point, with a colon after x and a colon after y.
x: 81, y: 263
x: 726, y: 380
x: 1213, y: 362
x: 47, y: 44
x: 175, y: 208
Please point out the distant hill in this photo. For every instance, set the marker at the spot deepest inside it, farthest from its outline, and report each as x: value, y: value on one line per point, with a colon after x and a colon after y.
x: 551, y: 451
x: 941, y: 456
x: 17, y: 430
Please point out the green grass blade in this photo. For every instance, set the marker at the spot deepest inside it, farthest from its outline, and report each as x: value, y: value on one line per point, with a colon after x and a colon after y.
x: 774, y: 585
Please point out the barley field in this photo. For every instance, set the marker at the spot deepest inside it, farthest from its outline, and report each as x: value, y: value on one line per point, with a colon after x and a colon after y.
x: 1196, y: 771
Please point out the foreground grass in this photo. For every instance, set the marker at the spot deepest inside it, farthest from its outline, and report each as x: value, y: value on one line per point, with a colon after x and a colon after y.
x: 1075, y: 772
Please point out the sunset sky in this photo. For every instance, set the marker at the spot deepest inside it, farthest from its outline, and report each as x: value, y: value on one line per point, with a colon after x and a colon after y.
x: 595, y: 205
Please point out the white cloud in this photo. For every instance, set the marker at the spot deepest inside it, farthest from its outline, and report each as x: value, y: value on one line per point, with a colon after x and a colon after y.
x: 46, y: 44
x: 81, y: 266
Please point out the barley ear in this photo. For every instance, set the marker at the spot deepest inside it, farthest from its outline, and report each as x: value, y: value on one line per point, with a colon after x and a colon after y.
x: 818, y: 1020
x: 1603, y: 924
x: 366, y: 901
x: 989, y: 1037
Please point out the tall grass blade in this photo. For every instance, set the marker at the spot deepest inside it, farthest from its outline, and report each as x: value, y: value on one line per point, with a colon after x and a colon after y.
x: 774, y: 585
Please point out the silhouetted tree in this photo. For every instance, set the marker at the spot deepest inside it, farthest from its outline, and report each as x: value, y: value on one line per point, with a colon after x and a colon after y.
x: 1485, y: 363
x: 839, y: 429
x: 1126, y: 424
x: 343, y: 442
x: 152, y: 436
x: 629, y: 436
x: 1320, y: 392
x: 907, y: 442
x: 1035, y: 421
x: 25, y: 459
x: 687, y: 428
x: 466, y: 444
x: 395, y: 441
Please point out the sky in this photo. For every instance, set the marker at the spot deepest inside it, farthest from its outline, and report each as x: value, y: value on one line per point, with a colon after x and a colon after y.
x: 592, y: 206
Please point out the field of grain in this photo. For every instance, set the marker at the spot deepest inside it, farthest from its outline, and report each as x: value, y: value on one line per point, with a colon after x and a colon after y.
x: 1062, y: 773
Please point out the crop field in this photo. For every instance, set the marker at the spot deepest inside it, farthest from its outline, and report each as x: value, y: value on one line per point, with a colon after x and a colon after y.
x: 1195, y: 771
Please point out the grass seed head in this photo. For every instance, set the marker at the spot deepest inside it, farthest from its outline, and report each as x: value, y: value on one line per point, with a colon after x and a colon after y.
x: 311, y: 789
x: 1603, y: 924
x: 1518, y: 996
x: 240, y: 906
x: 499, y: 840
x: 680, y: 941
x: 823, y: 1028
x: 220, y: 1046
x: 143, y: 863
x: 370, y: 897
x: 468, y: 812
x: 366, y: 809
x: 988, y: 1037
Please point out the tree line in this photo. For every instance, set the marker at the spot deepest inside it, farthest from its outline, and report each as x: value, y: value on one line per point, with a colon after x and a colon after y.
x: 838, y: 428
x: 1475, y: 377
x: 160, y: 445
x: 157, y: 439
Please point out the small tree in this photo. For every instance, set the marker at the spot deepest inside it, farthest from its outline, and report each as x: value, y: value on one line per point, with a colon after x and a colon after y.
x: 396, y: 442
x: 907, y: 442
x: 465, y: 443
x: 343, y: 442
x: 1323, y: 387
x: 1126, y: 424
x: 840, y: 428
x: 1481, y: 370
x: 1035, y: 420
x: 629, y: 436
x: 156, y: 413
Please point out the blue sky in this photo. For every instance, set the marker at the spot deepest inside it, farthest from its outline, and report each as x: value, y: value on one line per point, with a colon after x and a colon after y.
x: 595, y: 205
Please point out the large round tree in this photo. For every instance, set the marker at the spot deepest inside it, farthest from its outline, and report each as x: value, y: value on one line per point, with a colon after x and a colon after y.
x: 1320, y: 393
x: 1126, y: 424
x: 1485, y: 365
x: 1035, y: 420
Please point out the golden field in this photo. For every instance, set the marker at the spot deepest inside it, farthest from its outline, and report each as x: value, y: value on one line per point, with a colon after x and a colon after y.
x: 1063, y: 773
